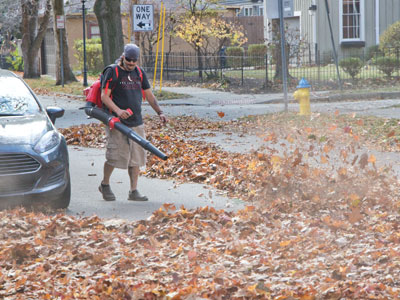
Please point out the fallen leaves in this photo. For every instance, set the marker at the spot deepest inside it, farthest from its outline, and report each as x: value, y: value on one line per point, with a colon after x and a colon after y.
x: 255, y: 252
x: 323, y: 223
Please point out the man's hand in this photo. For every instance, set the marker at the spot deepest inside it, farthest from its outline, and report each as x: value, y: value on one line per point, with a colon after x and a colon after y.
x: 123, y: 114
x: 163, y: 118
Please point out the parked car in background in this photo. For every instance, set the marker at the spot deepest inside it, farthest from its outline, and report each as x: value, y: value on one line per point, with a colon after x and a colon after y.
x: 34, y: 163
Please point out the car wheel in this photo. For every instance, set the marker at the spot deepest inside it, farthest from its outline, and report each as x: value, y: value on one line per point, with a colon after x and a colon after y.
x: 65, y: 198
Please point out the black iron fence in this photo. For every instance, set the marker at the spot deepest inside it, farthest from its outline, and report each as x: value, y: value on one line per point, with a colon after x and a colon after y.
x: 261, y: 71
x: 3, y: 62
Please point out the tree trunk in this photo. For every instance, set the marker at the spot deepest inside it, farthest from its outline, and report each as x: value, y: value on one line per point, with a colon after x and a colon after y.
x: 278, y: 51
x: 58, y: 10
x: 108, y: 13
x: 33, y: 33
x: 200, y: 63
x: 278, y: 59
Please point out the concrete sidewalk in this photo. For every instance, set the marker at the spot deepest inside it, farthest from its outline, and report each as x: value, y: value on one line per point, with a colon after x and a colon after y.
x: 204, y: 97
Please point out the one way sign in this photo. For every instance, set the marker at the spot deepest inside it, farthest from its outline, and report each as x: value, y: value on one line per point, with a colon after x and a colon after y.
x: 143, y: 16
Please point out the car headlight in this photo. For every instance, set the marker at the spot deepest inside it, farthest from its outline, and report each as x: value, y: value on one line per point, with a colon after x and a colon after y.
x: 47, y: 142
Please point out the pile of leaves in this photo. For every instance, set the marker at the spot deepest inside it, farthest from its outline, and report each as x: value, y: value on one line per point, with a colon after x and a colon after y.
x: 255, y: 253
x: 316, y: 156
x: 322, y: 220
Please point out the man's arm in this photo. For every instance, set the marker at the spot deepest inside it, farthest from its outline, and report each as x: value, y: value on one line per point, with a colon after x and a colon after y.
x: 105, y: 97
x: 154, y: 104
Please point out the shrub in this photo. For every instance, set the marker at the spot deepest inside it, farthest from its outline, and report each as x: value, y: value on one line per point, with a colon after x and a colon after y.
x: 270, y: 52
x: 351, y: 66
x: 94, y: 55
x: 256, y: 53
x: 234, y: 56
x: 373, y: 51
x: 386, y: 64
x: 391, y: 37
x: 16, y: 61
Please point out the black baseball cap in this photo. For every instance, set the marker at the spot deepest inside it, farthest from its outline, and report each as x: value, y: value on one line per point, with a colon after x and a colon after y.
x: 131, y: 51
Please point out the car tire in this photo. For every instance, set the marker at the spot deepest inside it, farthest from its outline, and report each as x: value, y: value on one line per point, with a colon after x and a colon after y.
x: 65, y: 198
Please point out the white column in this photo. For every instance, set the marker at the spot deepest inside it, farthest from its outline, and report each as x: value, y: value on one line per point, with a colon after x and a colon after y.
x: 377, y: 21
x: 314, y: 25
x: 267, y: 31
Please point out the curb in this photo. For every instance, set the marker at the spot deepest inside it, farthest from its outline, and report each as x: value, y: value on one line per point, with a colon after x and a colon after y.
x: 340, y: 97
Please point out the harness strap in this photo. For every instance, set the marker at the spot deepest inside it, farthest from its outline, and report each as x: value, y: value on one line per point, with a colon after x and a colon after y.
x: 109, y: 80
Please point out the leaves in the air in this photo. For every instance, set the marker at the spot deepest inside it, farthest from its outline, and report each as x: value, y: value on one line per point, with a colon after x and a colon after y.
x: 323, y: 221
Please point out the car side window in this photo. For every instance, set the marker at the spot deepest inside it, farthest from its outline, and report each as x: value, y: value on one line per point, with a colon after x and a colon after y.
x: 16, y: 98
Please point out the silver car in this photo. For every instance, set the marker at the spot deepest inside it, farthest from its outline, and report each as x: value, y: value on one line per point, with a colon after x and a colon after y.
x: 34, y: 165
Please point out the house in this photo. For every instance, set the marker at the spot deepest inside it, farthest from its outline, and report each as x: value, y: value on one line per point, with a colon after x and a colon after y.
x: 356, y: 24
x: 246, y: 8
x: 249, y: 14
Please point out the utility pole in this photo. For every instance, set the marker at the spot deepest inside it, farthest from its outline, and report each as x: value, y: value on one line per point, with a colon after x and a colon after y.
x: 283, y: 53
x: 333, y: 44
x: 85, y: 83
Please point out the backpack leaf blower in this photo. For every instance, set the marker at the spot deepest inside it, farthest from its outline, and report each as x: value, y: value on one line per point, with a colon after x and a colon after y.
x: 114, y: 122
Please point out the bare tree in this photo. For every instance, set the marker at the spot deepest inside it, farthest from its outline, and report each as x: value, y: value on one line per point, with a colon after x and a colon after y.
x: 198, y: 10
x: 294, y: 48
x: 108, y: 13
x: 58, y: 10
x: 10, y: 16
x: 149, y: 39
x: 33, y: 30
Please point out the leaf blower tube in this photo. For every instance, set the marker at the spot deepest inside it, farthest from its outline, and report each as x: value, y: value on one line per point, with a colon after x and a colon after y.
x: 114, y: 122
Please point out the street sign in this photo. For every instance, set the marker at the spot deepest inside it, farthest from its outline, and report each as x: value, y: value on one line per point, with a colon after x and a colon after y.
x: 273, y: 12
x: 143, y: 16
x: 60, y: 22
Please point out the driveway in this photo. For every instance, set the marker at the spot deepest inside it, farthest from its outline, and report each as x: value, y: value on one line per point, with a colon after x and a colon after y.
x: 86, y: 166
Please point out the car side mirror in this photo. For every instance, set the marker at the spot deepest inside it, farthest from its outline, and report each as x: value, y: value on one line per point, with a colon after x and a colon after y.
x: 54, y: 112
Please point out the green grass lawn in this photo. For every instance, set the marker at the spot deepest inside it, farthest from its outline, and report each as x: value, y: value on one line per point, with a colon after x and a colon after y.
x: 47, y: 85
x: 312, y: 73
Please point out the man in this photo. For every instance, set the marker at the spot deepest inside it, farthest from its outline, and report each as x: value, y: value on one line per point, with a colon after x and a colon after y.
x: 125, y: 89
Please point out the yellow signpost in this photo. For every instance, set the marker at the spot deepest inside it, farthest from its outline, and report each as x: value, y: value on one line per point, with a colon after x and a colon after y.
x: 158, y: 42
x: 162, y: 50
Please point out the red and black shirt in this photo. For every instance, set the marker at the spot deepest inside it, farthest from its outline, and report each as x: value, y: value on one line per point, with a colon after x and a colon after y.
x: 127, y: 91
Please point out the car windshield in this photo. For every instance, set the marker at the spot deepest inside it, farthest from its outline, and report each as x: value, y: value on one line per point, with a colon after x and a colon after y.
x: 15, y: 98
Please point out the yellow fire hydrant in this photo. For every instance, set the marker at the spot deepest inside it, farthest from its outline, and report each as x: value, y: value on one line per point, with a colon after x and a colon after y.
x: 303, y: 96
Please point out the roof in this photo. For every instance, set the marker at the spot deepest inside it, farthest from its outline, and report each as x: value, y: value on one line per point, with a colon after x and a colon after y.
x: 75, y: 6
x: 239, y: 2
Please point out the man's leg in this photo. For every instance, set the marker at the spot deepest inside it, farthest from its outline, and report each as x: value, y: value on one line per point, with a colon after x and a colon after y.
x: 133, y: 175
x: 104, y: 187
x: 107, y: 171
x: 134, y: 193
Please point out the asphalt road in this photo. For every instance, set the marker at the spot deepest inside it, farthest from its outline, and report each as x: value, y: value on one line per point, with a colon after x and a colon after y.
x: 86, y: 164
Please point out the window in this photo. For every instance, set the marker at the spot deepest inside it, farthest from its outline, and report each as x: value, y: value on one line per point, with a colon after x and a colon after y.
x: 352, y: 20
x: 248, y: 11
x: 94, y: 31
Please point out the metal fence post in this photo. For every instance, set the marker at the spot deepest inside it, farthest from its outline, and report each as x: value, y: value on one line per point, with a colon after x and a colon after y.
x: 242, y: 68
x: 319, y: 67
x: 220, y: 64
x: 266, y: 72
x: 183, y: 66
x: 166, y: 62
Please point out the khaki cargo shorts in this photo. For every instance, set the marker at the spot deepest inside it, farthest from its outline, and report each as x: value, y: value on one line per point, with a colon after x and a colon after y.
x: 123, y: 152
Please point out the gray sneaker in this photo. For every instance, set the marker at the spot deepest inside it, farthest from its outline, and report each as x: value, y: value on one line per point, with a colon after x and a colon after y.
x: 136, y: 196
x: 108, y: 195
